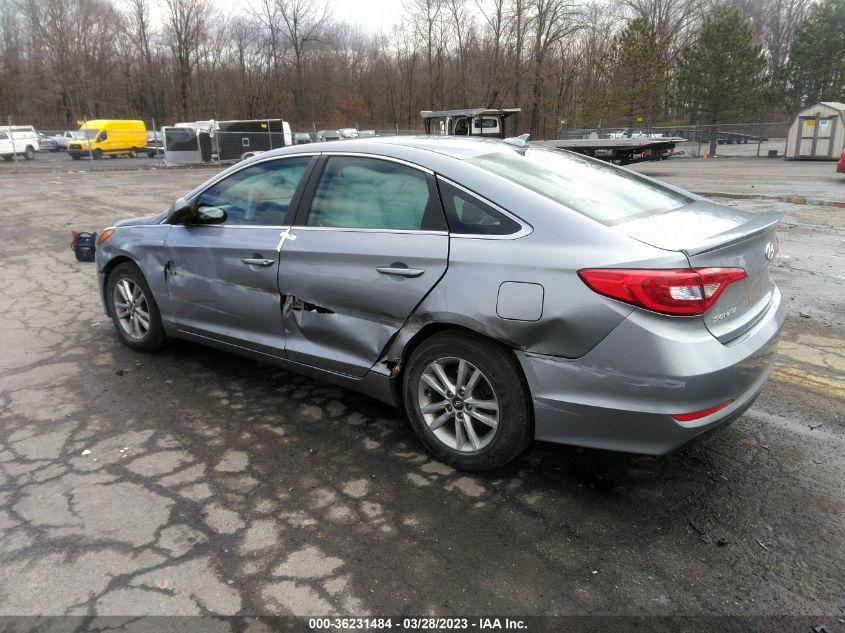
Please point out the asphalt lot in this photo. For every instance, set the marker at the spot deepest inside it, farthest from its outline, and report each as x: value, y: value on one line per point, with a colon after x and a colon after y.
x: 192, y: 481
x: 61, y: 161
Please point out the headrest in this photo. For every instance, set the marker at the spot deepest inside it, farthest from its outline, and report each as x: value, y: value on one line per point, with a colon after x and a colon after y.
x: 355, y: 174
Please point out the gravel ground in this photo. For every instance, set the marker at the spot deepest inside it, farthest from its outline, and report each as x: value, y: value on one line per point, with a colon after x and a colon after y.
x: 192, y: 481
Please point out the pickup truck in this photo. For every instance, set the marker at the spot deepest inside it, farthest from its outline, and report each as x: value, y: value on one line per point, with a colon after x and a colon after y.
x: 20, y: 140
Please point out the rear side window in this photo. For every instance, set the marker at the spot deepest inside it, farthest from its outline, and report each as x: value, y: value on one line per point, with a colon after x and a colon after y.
x: 467, y: 215
x: 368, y: 193
x: 593, y: 188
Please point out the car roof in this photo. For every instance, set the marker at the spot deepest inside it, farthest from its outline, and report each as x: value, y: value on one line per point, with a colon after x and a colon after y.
x: 451, y: 146
x: 442, y: 154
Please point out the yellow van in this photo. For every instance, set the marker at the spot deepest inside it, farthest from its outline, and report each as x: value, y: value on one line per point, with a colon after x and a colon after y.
x: 108, y: 137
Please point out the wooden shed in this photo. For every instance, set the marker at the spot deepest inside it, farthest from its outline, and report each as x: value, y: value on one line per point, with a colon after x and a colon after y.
x: 817, y: 133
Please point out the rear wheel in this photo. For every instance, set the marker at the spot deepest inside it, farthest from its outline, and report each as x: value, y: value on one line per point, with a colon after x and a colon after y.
x: 465, y: 398
x: 133, y: 309
x: 132, y: 153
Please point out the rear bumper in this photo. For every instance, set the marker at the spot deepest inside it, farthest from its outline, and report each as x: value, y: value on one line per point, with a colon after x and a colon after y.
x: 622, y: 395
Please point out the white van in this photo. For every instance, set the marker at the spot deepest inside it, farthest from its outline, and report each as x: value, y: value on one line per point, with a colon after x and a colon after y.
x: 18, y: 139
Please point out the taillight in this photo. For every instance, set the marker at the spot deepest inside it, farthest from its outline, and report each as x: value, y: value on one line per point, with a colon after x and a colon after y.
x: 685, y: 291
x: 696, y: 415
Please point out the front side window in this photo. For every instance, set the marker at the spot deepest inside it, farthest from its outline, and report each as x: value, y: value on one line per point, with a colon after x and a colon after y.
x: 468, y: 215
x: 259, y: 195
x: 369, y: 193
x: 599, y: 190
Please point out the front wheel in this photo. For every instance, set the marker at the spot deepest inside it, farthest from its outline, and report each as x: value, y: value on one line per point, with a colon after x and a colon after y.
x: 466, y: 400
x: 98, y: 154
x: 29, y: 152
x: 133, y: 309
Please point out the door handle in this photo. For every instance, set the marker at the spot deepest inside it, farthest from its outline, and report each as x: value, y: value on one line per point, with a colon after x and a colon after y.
x: 257, y: 261
x: 400, y: 271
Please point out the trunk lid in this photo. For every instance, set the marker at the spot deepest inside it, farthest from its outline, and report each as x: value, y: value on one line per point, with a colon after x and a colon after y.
x: 714, y: 236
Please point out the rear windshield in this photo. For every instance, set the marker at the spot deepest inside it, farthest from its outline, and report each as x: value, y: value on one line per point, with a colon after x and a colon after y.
x: 593, y: 188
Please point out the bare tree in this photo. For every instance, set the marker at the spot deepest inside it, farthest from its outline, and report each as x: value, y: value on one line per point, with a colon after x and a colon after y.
x: 302, y: 22
x: 463, y: 28
x: 496, y: 22
x: 140, y: 33
x: 427, y: 18
x: 186, y: 21
x: 518, y: 21
x: 673, y: 20
x: 552, y: 21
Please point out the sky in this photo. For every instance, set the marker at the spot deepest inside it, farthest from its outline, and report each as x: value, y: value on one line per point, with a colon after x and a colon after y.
x: 371, y: 15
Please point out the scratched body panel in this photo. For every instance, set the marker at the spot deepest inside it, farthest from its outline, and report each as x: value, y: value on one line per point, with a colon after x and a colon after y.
x: 599, y: 371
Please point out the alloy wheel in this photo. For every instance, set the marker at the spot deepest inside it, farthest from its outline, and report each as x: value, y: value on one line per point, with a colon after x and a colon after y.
x: 458, y: 404
x: 131, y: 308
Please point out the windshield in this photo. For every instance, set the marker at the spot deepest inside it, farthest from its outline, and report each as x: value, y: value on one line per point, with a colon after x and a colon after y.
x: 84, y: 133
x: 593, y: 188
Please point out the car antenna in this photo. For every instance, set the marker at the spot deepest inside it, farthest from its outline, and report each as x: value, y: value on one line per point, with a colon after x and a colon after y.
x: 518, y: 141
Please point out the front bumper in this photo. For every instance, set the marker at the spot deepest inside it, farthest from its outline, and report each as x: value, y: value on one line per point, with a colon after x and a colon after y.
x: 622, y: 395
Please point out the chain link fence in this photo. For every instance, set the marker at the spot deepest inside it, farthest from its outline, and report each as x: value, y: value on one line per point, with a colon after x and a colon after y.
x: 721, y: 139
x: 55, y: 147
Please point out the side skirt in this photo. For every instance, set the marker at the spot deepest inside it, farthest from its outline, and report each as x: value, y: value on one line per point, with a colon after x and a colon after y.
x: 373, y: 384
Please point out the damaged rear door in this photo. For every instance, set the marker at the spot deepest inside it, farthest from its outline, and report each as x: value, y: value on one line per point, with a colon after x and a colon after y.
x: 362, y: 255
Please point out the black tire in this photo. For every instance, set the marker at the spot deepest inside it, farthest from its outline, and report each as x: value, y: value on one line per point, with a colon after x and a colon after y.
x: 132, y: 153
x: 29, y: 152
x: 154, y: 338
x: 515, y: 429
x: 151, y: 154
x: 98, y: 154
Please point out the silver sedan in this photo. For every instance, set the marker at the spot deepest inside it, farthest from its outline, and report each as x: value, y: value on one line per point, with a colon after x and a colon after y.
x: 499, y: 292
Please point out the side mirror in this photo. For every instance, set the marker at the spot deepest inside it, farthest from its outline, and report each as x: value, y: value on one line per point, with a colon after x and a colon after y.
x: 181, y: 212
x: 210, y: 215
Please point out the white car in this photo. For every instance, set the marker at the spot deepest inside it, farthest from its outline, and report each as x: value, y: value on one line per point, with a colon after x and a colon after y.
x: 20, y: 140
x: 63, y: 138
